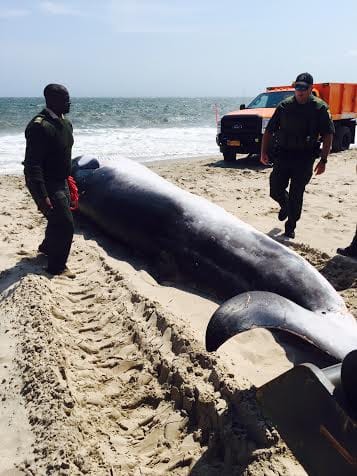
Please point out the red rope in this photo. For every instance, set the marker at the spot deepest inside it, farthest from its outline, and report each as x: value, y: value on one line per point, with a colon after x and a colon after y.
x: 73, y: 191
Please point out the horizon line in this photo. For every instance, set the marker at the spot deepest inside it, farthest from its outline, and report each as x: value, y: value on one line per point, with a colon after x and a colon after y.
x: 128, y: 97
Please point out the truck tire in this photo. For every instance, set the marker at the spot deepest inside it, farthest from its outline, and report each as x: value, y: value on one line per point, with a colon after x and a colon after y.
x: 342, y: 139
x: 229, y: 155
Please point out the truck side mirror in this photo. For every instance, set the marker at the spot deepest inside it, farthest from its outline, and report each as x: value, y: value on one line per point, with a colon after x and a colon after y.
x: 242, y: 106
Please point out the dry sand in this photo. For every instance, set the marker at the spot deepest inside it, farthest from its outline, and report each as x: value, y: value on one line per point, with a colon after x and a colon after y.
x: 106, y: 374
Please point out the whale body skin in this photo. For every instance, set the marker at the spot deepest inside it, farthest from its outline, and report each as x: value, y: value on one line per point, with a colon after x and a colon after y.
x: 218, y: 251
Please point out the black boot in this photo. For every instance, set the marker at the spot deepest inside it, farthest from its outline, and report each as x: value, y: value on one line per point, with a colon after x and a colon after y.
x: 289, y: 229
x: 43, y: 249
x: 347, y: 252
x: 283, y: 213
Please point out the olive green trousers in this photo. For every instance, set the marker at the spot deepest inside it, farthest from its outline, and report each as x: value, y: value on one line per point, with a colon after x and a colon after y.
x: 60, y: 227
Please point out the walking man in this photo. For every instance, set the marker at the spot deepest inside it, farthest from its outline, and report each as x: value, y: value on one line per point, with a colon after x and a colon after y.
x: 47, y: 165
x: 297, y: 123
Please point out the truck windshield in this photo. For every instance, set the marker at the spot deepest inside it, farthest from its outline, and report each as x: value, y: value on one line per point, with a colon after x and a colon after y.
x: 269, y: 99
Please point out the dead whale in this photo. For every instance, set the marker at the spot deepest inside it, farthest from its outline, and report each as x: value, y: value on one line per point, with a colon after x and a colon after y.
x: 218, y: 251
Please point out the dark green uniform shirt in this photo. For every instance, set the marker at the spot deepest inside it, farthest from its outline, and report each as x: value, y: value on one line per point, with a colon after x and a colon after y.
x: 298, y: 126
x: 49, y: 141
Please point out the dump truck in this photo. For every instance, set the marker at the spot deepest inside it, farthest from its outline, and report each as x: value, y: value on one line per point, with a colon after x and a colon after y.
x: 241, y: 132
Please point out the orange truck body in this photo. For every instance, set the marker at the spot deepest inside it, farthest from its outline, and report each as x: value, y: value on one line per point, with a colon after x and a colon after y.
x: 341, y: 97
x: 237, y: 132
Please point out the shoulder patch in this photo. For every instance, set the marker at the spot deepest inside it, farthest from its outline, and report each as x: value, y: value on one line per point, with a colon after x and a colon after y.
x: 38, y: 120
x: 320, y: 102
x: 288, y: 100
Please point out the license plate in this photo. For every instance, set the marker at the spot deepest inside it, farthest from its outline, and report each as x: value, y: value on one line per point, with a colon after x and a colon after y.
x: 236, y: 143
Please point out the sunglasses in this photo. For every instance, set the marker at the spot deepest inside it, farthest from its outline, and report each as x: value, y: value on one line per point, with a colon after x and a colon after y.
x: 300, y: 87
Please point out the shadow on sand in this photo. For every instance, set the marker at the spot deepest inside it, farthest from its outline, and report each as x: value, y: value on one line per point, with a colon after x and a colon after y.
x: 341, y: 272
x: 246, y: 162
x: 26, y: 265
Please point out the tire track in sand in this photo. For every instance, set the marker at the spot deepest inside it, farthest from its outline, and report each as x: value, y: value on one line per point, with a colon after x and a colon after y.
x: 115, y: 385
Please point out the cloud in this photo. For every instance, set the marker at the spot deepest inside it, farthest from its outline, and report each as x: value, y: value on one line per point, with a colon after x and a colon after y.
x: 6, y: 13
x: 54, y: 8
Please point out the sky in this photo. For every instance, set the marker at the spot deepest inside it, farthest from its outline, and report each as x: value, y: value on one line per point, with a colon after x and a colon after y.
x: 160, y: 48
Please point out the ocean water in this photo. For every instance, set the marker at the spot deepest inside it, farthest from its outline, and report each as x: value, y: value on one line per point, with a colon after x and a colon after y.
x: 142, y: 129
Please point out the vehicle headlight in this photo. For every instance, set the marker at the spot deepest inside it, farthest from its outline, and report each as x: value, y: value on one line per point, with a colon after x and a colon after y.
x: 265, y: 123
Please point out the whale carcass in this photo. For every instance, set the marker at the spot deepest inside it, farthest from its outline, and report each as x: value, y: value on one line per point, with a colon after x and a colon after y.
x: 267, y: 284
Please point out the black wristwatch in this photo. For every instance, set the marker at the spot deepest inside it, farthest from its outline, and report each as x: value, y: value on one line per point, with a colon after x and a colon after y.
x: 324, y: 161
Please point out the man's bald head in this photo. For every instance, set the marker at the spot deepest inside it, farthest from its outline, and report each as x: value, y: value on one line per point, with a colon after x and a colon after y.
x: 57, y: 98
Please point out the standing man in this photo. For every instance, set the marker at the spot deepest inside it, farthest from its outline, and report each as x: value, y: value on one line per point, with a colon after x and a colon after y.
x: 297, y: 122
x: 47, y: 165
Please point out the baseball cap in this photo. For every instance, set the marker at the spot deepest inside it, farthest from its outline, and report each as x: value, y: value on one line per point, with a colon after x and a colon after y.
x: 304, y: 81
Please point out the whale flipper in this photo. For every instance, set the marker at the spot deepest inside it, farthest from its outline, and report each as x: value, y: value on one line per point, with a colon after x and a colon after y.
x: 334, y: 335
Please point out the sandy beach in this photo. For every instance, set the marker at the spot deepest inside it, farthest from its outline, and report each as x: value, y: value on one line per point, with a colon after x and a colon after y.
x: 106, y: 374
